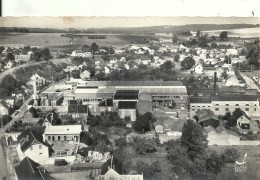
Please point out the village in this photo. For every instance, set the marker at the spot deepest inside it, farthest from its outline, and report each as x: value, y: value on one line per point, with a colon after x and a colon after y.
x: 101, y: 112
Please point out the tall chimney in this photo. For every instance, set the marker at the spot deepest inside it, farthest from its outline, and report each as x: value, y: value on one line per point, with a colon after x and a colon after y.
x: 215, y: 83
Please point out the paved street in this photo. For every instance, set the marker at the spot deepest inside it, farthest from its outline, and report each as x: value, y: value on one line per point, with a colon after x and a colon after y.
x: 3, y: 165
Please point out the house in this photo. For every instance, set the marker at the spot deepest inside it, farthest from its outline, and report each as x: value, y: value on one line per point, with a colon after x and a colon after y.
x: 32, y: 145
x: 107, y: 70
x: 4, y: 108
x: 62, y: 133
x: 113, y: 169
x: 71, y: 68
x: 221, y: 136
x: 85, y: 75
x: 79, y: 53
x: 30, y: 170
x: 206, y: 117
x: 127, y: 109
x: 169, y: 136
x: 245, y: 125
x: 159, y: 129
x: 9, y: 65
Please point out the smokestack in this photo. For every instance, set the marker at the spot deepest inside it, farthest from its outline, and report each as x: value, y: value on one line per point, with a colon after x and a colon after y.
x: 215, y: 83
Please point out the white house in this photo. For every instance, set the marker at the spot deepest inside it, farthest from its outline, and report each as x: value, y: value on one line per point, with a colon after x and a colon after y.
x: 32, y: 145
x: 198, y: 69
x: 85, y: 75
x: 9, y: 65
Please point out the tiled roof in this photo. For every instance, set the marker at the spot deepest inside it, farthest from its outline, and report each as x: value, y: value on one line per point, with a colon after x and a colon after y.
x: 28, y: 170
x: 200, y: 100
x: 118, y: 167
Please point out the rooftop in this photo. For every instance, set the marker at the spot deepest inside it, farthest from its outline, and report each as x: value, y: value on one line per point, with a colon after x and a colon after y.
x: 134, y: 83
x: 63, y: 129
x: 205, y: 114
x: 126, y: 94
x: 73, y: 108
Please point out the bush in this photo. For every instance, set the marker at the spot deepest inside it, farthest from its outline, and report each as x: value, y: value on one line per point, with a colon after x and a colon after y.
x: 120, y: 142
x: 230, y: 155
x: 144, y: 146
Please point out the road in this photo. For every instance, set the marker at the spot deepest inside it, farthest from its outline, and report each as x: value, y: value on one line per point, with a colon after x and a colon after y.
x: 3, y: 164
x: 251, y: 84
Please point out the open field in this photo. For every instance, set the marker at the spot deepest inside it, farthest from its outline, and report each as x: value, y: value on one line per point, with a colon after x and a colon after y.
x: 243, y: 33
x: 55, y: 42
x: 253, y: 163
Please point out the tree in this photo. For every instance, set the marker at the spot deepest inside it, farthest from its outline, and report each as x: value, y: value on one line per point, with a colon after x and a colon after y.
x: 93, y: 48
x: 9, y: 83
x: 86, y: 139
x: 85, y: 48
x: 120, y: 142
x: 178, y: 157
x: 223, y: 35
x: 2, y: 48
x: 187, y: 63
x: 214, y: 163
x: 144, y: 122
x: 176, y: 58
x: 46, y: 55
x: 167, y: 66
x: 174, y: 39
x: 148, y: 171
x: 193, y: 139
x: 26, y: 49
x: 36, y: 55
x: 230, y: 155
x: 144, y: 146
x: 253, y: 54
x: 214, y: 45
x: 235, y: 115
x: 102, y: 147
x: 75, y: 74
x: 10, y: 56
x: 198, y: 34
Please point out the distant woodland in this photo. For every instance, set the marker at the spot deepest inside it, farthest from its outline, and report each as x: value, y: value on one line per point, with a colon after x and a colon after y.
x: 132, y: 30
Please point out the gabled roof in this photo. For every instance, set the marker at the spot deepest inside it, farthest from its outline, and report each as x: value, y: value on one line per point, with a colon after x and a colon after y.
x: 28, y: 137
x: 127, y: 105
x: 28, y: 170
x: 116, y: 166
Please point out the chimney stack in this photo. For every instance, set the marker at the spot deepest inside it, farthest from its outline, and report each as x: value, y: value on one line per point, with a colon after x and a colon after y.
x: 215, y: 83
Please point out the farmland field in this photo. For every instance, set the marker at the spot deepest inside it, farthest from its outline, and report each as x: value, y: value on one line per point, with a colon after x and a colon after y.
x: 55, y: 42
x: 243, y: 33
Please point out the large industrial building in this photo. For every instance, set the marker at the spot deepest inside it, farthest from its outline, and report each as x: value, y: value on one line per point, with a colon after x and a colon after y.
x: 148, y: 95
x: 250, y: 104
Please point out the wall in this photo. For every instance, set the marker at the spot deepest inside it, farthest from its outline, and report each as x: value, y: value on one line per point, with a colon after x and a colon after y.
x: 127, y: 112
x: 36, y: 154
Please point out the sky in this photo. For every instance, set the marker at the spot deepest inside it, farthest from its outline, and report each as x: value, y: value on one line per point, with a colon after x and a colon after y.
x: 175, y: 12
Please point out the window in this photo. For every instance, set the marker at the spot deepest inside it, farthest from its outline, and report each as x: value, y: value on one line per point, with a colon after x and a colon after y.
x: 247, y: 109
x: 255, y: 109
x: 40, y: 146
x: 203, y: 106
x: 237, y: 104
x: 226, y: 109
x: 247, y: 104
x: 31, y: 148
x: 198, y: 106
x: 49, y: 138
x: 209, y: 106
x: 40, y: 153
x: 227, y: 104
x: 216, y: 109
x: 216, y: 104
